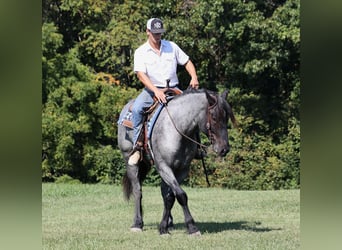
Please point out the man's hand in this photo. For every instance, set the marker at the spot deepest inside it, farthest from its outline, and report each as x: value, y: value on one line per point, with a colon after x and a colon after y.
x: 159, y: 94
x: 148, y: 84
x: 194, y: 83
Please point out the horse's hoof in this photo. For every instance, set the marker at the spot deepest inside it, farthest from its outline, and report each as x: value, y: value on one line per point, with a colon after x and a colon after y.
x: 198, y: 233
x: 136, y: 230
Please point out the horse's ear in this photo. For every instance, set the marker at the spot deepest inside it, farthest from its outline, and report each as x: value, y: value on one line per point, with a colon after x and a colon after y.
x: 211, y: 99
x: 225, y: 94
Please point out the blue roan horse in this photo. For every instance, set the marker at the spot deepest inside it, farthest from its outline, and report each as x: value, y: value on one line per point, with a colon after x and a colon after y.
x: 185, y: 116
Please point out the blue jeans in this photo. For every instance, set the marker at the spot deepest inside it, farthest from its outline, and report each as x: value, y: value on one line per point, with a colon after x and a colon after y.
x: 144, y: 100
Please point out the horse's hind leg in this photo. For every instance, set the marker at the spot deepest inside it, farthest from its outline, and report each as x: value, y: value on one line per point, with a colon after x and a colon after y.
x: 133, y: 175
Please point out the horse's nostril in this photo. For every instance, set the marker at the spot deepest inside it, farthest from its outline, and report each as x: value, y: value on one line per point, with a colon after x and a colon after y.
x: 224, y: 151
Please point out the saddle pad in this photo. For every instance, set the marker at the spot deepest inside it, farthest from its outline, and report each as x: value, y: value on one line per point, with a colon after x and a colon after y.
x: 126, y: 120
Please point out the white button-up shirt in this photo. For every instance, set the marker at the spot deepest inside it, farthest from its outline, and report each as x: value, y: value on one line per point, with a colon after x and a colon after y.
x: 161, y: 67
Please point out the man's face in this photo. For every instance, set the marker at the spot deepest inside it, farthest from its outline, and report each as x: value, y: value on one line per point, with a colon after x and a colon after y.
x: 154, y: 37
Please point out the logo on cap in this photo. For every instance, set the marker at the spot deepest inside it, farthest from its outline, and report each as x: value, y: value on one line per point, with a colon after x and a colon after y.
x: 157, y: 25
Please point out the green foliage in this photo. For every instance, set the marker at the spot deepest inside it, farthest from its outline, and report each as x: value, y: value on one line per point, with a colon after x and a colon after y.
x: 105, y: 164
x: 250, y: 47
x: 254, y: 162
x: 265, y: 65
x: 153, y: 178
x: 79, y: 131
x: 111, y: 48
x: 58, y: 68
x: 67, y: 179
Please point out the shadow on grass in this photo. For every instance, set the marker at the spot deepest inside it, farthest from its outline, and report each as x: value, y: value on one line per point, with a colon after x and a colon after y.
x: 216, y: 227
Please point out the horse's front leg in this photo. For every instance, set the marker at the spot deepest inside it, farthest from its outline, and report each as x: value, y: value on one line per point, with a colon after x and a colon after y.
x: 182, y: 199
x: 132, y: 173
x: 168, y: 176
x: 169, y: 200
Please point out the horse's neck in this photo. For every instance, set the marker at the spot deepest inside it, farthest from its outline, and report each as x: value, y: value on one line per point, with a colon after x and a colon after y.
x: 191, y: 109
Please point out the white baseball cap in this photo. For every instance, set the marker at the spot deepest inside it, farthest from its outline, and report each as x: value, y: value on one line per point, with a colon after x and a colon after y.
x: 155, y: 25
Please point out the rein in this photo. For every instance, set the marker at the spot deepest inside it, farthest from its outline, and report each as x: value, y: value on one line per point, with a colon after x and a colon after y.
x: 208, y: 125
x: 182, y: 134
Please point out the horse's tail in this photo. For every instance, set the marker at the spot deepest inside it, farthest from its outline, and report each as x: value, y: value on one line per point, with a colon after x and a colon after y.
x: 127, y: 184
x: 127, y: 187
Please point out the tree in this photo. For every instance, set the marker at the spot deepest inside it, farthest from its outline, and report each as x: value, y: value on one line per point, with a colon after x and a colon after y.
x: 111, y: 49
x: 265, y: 69
x: 79, y: 130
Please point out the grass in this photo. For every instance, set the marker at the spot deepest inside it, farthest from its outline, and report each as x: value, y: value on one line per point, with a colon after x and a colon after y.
x: 79, y: 216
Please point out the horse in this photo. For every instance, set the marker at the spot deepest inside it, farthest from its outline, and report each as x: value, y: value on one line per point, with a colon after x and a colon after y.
x: 174, y: 146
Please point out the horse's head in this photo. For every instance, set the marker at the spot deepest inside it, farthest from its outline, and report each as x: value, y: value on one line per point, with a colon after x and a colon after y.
x: 219, y: 112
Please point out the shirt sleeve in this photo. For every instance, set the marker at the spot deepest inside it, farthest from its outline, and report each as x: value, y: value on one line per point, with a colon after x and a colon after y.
x: 182, y: 57
x: 139, y: 64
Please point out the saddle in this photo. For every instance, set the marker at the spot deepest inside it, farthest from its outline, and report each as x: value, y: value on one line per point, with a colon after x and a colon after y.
x: 149, y: 118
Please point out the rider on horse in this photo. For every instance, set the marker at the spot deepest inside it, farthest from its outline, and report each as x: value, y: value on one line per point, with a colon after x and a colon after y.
x: 155, y: 62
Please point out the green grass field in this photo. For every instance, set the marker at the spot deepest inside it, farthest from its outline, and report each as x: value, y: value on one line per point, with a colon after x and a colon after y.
x: 79, y: 216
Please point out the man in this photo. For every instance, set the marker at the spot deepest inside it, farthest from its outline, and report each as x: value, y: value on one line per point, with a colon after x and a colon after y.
x: 155, y: 62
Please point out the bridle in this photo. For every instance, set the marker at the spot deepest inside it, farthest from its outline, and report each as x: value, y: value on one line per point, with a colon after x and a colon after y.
x: 210, y: 121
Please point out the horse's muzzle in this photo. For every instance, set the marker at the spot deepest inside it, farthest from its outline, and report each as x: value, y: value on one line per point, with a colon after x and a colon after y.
x: 224, y: 152
x: 221, y: 151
